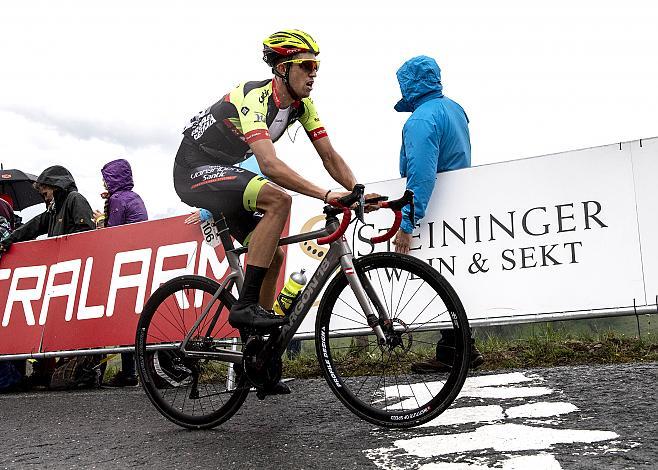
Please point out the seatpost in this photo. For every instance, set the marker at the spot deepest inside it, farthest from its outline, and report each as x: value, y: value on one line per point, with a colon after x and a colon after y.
x: 229, y: 247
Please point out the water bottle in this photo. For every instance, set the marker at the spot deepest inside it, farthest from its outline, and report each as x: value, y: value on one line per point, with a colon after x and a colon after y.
x: 289, y: 293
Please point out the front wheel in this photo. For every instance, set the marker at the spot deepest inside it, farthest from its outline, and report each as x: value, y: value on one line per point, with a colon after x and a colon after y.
x: 422, y: 318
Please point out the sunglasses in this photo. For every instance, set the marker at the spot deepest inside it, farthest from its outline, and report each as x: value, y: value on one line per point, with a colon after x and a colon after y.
x: 308, y: 65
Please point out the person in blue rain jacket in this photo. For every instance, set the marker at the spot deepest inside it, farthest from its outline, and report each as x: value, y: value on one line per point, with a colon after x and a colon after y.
x: 435, y: 139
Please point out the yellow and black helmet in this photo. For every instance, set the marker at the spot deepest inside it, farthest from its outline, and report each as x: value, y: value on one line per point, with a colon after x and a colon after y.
x: 287, y: 43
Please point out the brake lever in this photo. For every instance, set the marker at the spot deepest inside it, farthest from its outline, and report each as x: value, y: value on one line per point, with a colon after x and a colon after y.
x: 359, y: 208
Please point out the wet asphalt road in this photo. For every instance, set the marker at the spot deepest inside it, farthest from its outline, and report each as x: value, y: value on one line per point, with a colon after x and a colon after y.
x: 310, y: 429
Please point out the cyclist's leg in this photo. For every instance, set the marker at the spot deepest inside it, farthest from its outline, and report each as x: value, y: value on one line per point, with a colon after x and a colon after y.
x: 274, y: 203
x: 238, y: 194
x: 268, y: 289
x: 269, y: 200
x: 242, y: 230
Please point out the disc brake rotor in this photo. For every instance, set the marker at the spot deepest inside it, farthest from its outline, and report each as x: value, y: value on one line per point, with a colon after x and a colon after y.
x: 398, y: 336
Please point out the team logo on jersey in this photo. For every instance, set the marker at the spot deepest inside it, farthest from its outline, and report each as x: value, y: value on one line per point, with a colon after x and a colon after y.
x: 263, y: 95
x: 259, y: 117
x: 244, y: 110
x: 202, y: 126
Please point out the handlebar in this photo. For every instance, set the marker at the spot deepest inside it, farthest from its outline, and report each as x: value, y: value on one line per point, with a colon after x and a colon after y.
x: 344, y: 204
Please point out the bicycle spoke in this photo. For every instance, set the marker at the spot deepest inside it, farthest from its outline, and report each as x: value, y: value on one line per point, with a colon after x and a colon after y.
x: 410, y: 299
x: 401, y: 292
x: 191, y: 391
x: 350, y: 319
x: 355, y: 310
x: 379, y: 380
x: 383, y: 293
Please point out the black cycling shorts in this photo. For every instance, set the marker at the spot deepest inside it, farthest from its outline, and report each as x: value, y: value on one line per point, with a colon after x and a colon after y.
x: 221, y: 189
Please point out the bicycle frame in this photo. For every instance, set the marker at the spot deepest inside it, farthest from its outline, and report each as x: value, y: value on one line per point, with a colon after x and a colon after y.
x: 339, y: 254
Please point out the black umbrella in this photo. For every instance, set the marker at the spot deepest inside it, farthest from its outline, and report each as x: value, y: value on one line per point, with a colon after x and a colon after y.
x: 18, y: 185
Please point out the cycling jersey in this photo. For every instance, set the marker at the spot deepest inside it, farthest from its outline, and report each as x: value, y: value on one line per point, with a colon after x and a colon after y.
x: 219, y: 137
x: 250, y: 112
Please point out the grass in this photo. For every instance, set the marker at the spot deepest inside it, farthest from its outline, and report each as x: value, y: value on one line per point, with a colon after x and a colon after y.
x: 609, y: 341
x: 545, y: 347
x: 555, y: 348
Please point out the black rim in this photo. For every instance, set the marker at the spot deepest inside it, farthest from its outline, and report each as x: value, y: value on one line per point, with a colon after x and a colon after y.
x: 376, y: 382
x: 192, y: 392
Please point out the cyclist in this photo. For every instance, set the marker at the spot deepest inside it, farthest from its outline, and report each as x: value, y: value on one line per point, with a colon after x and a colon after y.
x: 247, y: 121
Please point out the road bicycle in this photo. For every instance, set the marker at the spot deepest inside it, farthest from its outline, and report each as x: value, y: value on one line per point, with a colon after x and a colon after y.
x: 378, y: 314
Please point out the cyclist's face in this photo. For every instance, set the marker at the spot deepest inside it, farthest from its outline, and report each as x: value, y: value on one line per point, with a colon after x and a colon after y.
x: 302, y: 77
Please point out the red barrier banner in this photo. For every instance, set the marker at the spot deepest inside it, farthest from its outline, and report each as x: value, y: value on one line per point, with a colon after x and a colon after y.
x: 87, y: 290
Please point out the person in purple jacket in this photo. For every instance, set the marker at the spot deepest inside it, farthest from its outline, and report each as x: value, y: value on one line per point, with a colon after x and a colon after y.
x: 122, y: 206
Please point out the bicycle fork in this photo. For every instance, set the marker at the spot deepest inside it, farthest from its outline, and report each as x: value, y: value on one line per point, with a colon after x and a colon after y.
x: 363, y: 291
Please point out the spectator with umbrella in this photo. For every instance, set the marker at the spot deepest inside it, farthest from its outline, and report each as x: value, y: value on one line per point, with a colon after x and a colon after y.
x: 67, y: 211
x: 12, y: 373
x: 18, y: 185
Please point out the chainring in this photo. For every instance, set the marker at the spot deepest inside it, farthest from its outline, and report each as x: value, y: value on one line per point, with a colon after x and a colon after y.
x: 262, y: 372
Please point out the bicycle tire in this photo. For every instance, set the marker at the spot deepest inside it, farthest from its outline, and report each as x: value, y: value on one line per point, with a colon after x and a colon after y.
x: 348, y: 363
x: 165, y: 373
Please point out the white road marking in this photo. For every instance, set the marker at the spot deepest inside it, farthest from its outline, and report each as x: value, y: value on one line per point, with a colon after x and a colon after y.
x: 467, y: 414
x: 499, y: 437
x: 540, y: 410
x: 524, y: 462
x: 528, y: 433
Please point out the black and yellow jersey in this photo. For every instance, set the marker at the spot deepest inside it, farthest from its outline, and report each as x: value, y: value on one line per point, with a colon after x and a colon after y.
x: 250, y: 112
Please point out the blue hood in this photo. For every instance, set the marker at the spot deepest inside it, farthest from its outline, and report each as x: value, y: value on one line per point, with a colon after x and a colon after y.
x: 420, y: 80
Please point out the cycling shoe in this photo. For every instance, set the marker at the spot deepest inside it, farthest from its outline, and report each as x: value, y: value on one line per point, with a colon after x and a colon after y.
x: 279, y: 388
x: 255, y: 317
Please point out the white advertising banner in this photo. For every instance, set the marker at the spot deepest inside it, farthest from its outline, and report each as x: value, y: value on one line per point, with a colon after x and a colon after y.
x: 558, y: 233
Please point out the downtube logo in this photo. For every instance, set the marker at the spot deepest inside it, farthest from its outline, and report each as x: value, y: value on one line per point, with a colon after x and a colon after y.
x: 325, y: 357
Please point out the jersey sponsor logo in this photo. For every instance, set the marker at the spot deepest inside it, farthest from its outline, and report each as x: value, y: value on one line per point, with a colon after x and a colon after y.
x: 264, y: 95
x: 214, y: 180
x: 256, y: 134
x: 215, y: 171
x: 197, y: 118
x: 202, y: 126
x: 318, y: 133
x: 244, y: 110
x: 259, y: 117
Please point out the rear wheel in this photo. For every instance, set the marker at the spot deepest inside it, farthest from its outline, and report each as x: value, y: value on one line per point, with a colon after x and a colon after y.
x: 377, y: 381
x: 194, y: 388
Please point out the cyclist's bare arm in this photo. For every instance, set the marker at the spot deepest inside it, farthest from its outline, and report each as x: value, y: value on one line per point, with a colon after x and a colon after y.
x: 338, y: 169
x: 334, y: 163
x: 280, y: 173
